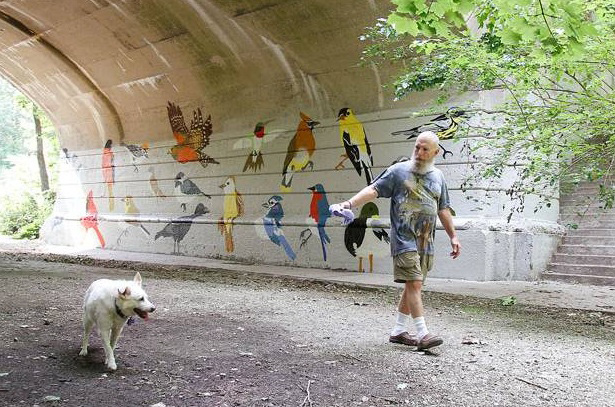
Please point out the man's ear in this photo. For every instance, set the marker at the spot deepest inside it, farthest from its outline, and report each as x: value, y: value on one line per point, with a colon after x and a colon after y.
x: 137, y: 279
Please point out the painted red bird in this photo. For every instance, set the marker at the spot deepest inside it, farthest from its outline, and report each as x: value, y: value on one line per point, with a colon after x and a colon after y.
x: 90, y: 220
x: 108, y: 171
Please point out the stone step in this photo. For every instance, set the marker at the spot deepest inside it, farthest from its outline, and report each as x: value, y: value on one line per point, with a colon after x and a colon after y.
x: 582, y: 269
x: 586, y: 259
x: 586, y: 223
x: 585, y: 231
x: 578, y: 278
x: 584, y: 249
x: 590, y: 240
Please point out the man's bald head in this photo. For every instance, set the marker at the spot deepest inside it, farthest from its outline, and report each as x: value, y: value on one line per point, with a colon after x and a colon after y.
x: 429, y: 137
x: 426, y: 148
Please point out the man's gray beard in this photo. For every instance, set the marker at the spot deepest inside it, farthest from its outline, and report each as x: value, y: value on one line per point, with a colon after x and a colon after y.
x: 421, y: 167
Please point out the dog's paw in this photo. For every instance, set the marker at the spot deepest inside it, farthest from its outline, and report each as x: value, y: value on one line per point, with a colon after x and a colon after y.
x: 112, y: 365
x: 84, y: 352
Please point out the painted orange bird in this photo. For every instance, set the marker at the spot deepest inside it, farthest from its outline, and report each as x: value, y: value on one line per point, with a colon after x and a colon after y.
x: 108, y: 170
x: 300, y: 151
x: 90, y: 220
x: 190, y: 143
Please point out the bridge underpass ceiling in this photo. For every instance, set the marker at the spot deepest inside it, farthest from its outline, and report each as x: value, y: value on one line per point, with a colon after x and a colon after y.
x: 107, y: 70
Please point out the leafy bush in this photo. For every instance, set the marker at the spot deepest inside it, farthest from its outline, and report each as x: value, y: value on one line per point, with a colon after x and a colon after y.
x: 23, y: 216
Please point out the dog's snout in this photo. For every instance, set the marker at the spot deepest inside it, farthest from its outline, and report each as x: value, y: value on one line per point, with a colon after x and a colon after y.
x: 152, y: 309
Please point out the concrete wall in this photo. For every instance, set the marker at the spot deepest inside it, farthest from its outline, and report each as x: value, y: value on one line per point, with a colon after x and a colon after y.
x: 113, y: 75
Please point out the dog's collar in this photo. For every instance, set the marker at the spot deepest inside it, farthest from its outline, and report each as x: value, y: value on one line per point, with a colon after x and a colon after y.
x: 118, y: 311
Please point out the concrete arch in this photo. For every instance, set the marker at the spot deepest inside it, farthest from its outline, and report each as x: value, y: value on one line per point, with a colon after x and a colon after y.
x: 194, y: 84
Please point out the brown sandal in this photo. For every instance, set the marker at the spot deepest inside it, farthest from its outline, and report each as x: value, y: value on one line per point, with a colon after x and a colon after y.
x: 404, y: 338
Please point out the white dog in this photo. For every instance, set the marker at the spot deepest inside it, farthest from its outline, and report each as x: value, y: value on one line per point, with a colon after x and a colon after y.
x: 109, y: 304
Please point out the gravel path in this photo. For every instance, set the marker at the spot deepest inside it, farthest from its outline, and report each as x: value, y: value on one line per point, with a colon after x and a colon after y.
x: 223, y: 339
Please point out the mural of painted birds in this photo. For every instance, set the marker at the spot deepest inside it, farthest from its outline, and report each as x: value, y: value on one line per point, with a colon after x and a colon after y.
x: 355, y: 143
x: 190, y: 143
x: 131, y: 211
x: 186, y: 187
x: 179, y: 228
x: 232, y: 209
x: 319, y: 211
x: 136, y: 152
x: 273, y: 225
x: 90, y: 220
x: 255, y: 142
x: 363, y: 237
x: 153, y: 184
x: 300, y: 151
x: 108, y: 170
x: 444, y: 125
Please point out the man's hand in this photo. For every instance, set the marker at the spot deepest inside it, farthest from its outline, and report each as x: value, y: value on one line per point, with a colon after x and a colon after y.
x: 456, y: 247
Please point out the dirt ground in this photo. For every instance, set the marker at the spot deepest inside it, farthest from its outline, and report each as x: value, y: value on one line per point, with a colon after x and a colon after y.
x: 224, y: 339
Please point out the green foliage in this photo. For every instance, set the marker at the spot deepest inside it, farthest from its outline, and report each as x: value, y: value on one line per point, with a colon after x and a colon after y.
x: 11, y: 137
x: 508, y: 301
x: 554, y: 59
x: 23, y: 216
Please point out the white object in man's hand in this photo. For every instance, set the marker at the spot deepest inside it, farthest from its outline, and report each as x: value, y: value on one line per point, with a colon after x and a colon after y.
x: 346, y: 214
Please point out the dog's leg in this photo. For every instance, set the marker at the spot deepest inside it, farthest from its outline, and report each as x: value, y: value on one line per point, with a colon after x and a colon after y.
x: 116, y: 331
x: 88, y: 323
x: 105, y: 336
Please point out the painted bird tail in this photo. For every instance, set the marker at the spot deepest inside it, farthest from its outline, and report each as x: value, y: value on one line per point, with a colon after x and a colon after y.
x: 368, y: 174
x: 289, y: 250
x: 324, y: 239
x: 100, y: 237
x: 253, y: 162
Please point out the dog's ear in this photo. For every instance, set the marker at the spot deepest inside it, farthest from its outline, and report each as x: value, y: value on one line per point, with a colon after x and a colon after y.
x: 137, y: 279
x: 126, y: 292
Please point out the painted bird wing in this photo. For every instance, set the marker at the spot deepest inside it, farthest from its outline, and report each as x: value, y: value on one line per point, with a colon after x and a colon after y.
x: 368, y: 148
x: 239, y: 204
x: 290, y: 154
x: 352, y: 151
x: 200, y: 130
x: 178, y: 125
x: 354, y: 235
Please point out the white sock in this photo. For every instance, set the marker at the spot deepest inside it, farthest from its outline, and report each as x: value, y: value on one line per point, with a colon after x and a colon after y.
x: 401, y: 324
x: 421, y: 327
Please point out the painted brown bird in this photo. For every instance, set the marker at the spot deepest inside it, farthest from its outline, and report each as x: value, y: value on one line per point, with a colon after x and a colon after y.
x: 136, y: 152
x: 153, y: 184
x: 300, y: 151
x: 108, y: 170
x: 190, y: 143
x: 90, y: 220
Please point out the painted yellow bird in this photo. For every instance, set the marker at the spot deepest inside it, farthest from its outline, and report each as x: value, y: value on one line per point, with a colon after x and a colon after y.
x: 355, y: 143
x: 132, y: 212
x: 232, y: 209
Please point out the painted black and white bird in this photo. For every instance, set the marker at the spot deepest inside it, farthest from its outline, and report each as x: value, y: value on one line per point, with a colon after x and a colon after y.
x: 364, y: 236
x: 136, y: 152
x: 179, y: 228
x: 304, y: 237
x: 444, y: 125
x: 185, y: 187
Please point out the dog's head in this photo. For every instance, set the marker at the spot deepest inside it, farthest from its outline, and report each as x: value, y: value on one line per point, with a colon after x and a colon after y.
x: 133, y: 299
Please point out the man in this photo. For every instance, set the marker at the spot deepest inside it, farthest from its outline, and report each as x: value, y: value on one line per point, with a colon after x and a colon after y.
x: 418, y: 194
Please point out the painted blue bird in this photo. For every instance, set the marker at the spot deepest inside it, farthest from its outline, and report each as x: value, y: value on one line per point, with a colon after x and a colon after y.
x: 319, y: 211
x: 273, y: 225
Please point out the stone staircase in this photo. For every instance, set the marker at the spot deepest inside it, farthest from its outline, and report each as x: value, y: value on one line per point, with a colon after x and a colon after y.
x: 586, y: 254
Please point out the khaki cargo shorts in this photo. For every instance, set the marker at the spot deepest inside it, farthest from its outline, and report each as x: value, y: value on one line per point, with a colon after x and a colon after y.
x: 410, y: 266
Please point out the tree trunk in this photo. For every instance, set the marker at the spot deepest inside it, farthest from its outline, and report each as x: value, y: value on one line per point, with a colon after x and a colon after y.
x: 42, y: 167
